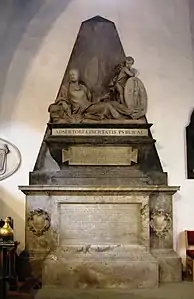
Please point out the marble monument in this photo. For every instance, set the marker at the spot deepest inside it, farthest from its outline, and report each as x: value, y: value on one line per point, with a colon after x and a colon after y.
x: 98, y: 206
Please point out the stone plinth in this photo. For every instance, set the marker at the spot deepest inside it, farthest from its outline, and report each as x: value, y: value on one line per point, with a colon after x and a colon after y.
x: 105, y: 268
x: 82, y: 237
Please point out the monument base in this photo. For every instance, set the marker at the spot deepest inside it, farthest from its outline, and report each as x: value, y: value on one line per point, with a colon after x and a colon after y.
x: 105, y: 270
x: 99, y: 237
x: 169, y: 264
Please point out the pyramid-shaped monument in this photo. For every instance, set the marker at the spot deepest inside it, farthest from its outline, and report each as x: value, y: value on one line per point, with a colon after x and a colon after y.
x: 99, y: 208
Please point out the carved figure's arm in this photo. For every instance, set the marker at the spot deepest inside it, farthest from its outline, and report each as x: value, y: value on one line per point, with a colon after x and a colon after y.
x: 129, y: 72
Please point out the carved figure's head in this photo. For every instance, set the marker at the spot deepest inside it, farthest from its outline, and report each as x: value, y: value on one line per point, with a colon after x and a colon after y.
x: 129, y: 62
x: 73, y: 75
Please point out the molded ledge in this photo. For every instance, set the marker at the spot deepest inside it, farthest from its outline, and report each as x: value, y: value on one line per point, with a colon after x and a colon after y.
x: 93, y: 189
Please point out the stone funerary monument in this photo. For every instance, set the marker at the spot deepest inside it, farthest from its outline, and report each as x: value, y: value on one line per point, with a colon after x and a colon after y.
x: 98, y: 207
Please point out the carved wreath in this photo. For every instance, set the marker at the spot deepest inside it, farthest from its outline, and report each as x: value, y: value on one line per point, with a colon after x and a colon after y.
x: 38, y: 222
x: 160, y: 223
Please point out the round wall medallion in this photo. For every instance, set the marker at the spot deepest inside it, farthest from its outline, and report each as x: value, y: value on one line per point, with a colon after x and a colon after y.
x: 10, y: 159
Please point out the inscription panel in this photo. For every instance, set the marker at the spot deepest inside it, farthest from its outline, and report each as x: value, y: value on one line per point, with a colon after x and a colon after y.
x: 99, y: 132
x: 99, y: 224
x: 87, y: 155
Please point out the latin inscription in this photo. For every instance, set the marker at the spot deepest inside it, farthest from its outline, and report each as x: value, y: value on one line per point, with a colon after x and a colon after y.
x: 99, y: 223
x: 99, y: 132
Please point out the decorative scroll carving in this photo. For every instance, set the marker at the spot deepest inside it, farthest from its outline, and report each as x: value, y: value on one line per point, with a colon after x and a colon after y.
x: 160, y: 222
x: 38, y: 222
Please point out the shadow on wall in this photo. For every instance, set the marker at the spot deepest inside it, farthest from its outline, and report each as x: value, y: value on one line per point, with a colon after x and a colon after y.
x: 15, y: 16
x: 14, y: 208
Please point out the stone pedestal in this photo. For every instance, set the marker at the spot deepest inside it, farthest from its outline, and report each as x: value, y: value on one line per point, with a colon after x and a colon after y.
x: 169, y: 264
x: 102, y: 218
x: 99, y: 237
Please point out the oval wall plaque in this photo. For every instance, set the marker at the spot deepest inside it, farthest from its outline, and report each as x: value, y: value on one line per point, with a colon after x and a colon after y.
x: 10, y: 159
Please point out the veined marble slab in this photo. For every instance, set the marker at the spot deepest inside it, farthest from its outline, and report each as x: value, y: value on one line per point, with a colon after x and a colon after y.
x: 99, y: 223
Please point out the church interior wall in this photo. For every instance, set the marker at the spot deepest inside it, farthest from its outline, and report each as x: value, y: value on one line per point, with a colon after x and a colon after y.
x: 36, y: 41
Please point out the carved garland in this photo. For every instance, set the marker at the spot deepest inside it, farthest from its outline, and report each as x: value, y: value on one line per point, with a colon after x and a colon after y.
x: 38, y: 222
x: 160, y: 223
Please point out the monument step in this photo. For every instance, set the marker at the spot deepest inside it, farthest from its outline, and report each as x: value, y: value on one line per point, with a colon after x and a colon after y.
x: 108, y: 256
x: 105, y: 274
x: 95, y: 171
x: 73, y: 175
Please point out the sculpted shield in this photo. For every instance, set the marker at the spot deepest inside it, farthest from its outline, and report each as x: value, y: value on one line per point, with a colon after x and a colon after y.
x: 135, y: 95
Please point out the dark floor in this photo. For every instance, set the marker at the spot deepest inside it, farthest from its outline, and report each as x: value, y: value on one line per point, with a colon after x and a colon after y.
x: 183, y: 290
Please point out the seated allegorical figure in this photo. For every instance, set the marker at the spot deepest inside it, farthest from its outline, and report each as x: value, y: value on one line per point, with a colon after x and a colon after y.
x: 75, y: 104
